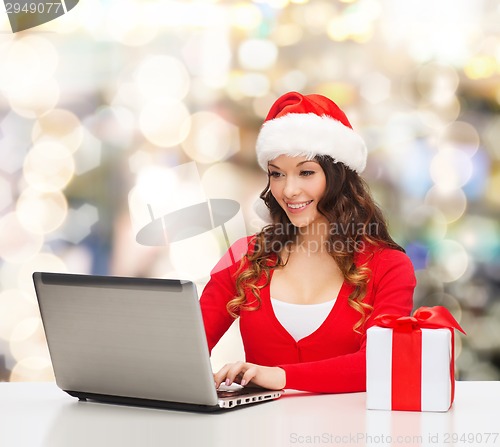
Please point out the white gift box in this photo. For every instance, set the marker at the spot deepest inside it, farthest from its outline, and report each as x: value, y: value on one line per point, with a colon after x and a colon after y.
x: 436, y: 373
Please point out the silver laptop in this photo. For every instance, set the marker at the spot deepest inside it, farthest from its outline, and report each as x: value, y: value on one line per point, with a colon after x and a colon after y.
x: 133, y: 341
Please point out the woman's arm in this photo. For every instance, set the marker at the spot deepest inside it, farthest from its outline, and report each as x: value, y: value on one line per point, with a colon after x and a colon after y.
x: 214, y: 298
x: 220, y: 289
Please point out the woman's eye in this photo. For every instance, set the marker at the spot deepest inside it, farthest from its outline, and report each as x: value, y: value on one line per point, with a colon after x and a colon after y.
x: 274, y: 174
x: 306, y: 173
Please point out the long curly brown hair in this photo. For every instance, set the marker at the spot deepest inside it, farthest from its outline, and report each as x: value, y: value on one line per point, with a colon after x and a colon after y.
x: 355, y: 222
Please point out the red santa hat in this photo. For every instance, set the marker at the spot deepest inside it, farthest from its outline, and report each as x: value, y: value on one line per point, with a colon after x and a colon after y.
x: 309, y: 125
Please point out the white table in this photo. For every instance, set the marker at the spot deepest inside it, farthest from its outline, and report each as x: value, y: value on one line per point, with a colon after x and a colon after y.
x: 39, y: 414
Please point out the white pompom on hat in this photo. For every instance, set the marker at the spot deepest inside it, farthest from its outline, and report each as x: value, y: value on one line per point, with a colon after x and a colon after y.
x: 309, y: 125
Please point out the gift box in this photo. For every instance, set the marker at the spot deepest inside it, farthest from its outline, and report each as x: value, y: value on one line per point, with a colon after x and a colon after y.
x: 410, y: 361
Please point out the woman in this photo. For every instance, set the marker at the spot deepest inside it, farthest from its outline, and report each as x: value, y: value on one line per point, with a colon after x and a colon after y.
x: 309, y: 284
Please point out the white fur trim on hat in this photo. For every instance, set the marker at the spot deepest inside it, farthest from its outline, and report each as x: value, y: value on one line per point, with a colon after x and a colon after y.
x: 308, y: 134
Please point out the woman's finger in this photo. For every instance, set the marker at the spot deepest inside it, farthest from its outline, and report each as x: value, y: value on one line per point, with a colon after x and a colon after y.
x: 228, y: 373
x: 249, y: 374
x: 236, y: 369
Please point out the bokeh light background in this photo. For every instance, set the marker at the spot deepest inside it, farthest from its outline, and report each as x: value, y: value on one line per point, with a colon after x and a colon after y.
x: 98, y: 106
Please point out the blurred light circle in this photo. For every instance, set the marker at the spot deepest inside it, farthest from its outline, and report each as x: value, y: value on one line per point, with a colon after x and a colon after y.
x: 315, y: 17
x: 25, y: 329
x: 277, y: 4
x: 26, y: 62
x: 451, y: 202
x: 160, y: 191
x: 60, y: 125
x: 480, y: 67
x: 211, y: 138
x: 17, y: 244
x: 40, y: 212
x: 79, y: 224
x: 115, y: 126
x: 450, y: 168
x: 8, y: 276
x: 48, y: 167
x: 91, y: 18
x: 254, y: 85
x: 338, y: 29
x: 353, y: 23
x: 480, y: 236
x: 245, y: 16
x: 130, y: 22
x: 400, y: 131
x: 28, y: 340
x: 461, y: 135
x: 262, y: 104
x: 449, y: 260
x: 493, y: 187
x: 89, y: 154
x: 32, y: 369
x: 294, y: 80
x: 257, y: 54
x: 125, y: 94
x: 15, y: 139
x: 491, y: 137
x: 165, y: 123
x: 47, y: 54
x: 5, y: 193
x: 287, y: 34
x: 15, y: 306
x: 139, y: 160
x: 439, y: 116
x: 375, y: 87
x: 427, y: 222
x: 216, y: 178
x: 345, y: 94
x: 209, y: 57
x: 35, y: 99
x: 162, y: 76
x: 437, y: 83
x: 68, y: 23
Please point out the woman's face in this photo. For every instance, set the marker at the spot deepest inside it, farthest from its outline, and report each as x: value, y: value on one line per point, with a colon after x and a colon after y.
x: 298, y: 184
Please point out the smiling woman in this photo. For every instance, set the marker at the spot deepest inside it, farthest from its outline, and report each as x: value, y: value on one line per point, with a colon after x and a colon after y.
x: 313, y: 280
x: 298, y: 184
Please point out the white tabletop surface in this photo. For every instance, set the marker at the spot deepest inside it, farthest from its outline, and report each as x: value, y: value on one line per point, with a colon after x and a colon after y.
x: 39, y: 414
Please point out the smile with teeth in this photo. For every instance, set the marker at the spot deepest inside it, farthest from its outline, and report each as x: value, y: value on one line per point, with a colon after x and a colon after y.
x: 297, y: 206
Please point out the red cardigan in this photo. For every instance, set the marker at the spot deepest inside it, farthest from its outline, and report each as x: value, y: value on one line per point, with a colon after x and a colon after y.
x: 331, y: 359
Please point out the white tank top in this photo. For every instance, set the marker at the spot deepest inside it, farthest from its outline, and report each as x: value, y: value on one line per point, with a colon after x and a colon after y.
x: 301, y: 320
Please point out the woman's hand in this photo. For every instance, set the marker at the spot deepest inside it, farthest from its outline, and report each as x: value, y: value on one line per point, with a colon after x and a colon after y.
x: 273, y: 378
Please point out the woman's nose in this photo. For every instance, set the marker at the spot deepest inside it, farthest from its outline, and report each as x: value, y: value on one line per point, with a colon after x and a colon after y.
x: 291, y: 188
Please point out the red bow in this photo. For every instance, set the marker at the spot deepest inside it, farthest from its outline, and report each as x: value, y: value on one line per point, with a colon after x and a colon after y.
x: 407, y: 352
x: 424, y: 317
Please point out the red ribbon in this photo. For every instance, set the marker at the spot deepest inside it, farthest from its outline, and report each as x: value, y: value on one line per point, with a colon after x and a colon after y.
x: 407, y: 352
